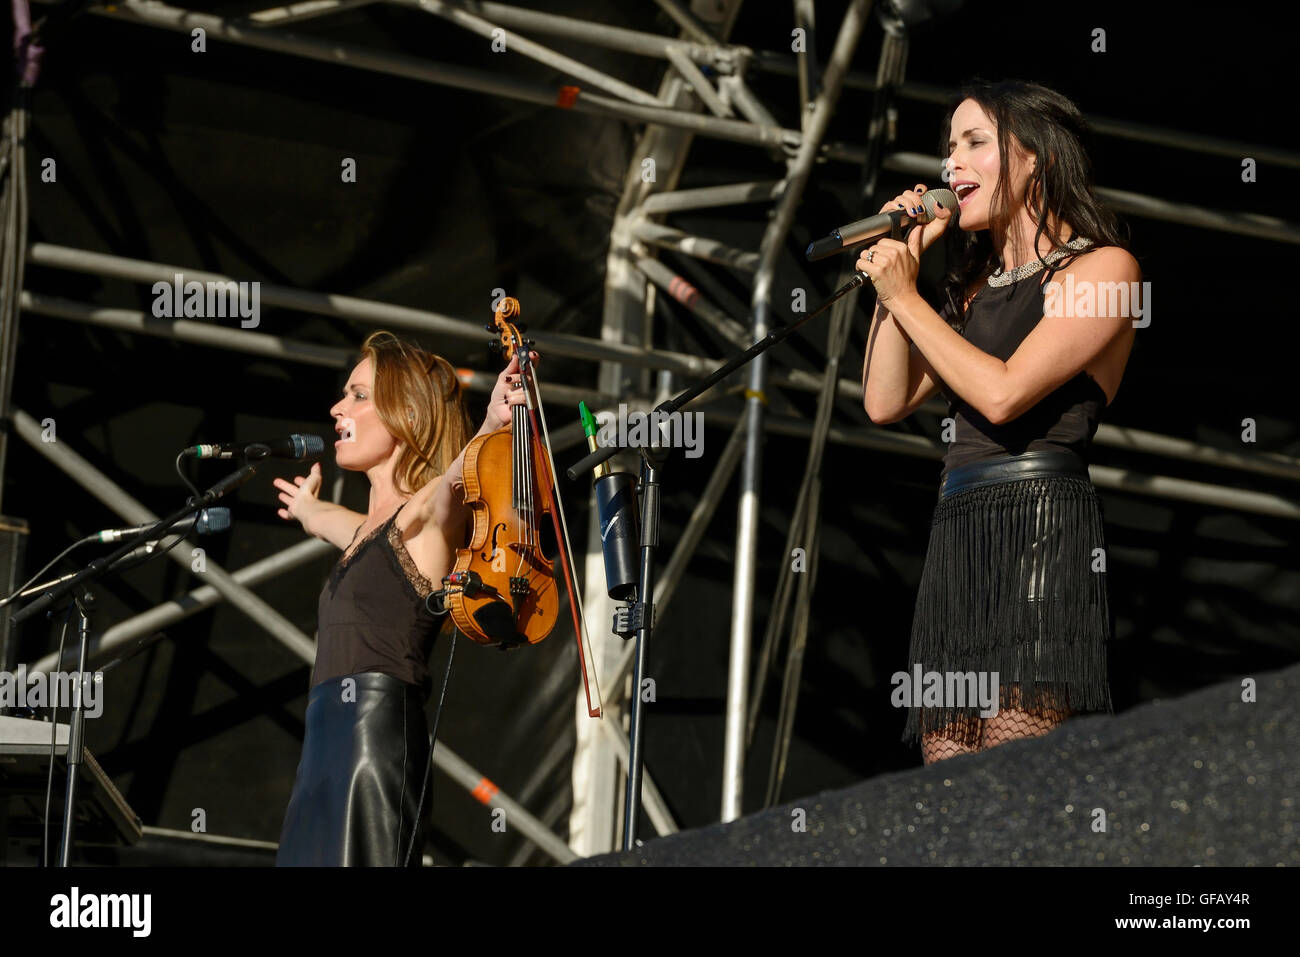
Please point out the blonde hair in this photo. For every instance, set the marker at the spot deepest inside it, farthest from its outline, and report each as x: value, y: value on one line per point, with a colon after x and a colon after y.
x: 420, y: 401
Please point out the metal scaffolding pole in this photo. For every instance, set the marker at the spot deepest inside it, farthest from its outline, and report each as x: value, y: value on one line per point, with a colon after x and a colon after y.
x: 699, y: 83
x: 747, y: 518
x: 310, y: 10
x: 733, y: 194
x: 535, y: 51
x: 805, y: 19
x: 738, y: 93
x: 688, y: 24
x: 665, y: 237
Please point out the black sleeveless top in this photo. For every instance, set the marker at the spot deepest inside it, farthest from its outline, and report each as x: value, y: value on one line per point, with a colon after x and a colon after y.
x: 372, y: 615
x: 997, y: 321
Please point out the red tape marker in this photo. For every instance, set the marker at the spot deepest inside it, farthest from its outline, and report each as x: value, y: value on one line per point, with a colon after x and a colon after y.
x: 683, y: 291
x: 484, y: 791
x: 567, y: 97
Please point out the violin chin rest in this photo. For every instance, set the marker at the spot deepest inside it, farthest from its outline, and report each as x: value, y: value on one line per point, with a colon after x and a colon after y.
x: 496, y: 621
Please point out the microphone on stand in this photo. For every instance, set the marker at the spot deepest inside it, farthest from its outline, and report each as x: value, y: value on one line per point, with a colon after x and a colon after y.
x: 296, y: 447
x: 619, y: 521
x: 211, y: 521
x: 873, y: 228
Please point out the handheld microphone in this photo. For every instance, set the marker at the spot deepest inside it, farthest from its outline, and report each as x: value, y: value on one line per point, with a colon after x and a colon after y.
x: 211, y: 521
x: 876, y: 227
x: 296, y: 447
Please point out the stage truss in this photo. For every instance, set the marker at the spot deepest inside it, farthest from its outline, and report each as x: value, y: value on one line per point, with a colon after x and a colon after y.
x: 703, y: 92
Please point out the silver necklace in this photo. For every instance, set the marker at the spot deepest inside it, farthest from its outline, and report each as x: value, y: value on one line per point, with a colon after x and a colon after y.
x: 999, y: 278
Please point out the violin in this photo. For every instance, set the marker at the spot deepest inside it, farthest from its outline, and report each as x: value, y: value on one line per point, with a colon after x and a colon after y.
x: 502, y: 590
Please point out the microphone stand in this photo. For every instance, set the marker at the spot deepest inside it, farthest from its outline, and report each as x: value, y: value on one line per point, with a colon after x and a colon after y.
x: 638, y: 616
x: 84, y: 601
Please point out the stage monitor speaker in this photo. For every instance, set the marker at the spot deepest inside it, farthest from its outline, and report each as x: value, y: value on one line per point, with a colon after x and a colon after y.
x: 103, y: 816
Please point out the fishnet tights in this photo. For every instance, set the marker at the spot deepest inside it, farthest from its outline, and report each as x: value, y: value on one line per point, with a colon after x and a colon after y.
x: 968, y: 735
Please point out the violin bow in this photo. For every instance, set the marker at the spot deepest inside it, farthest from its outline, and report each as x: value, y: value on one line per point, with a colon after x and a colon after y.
x: 542, y: 445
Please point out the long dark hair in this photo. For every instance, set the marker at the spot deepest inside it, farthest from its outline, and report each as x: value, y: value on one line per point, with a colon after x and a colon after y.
x: 1051, y: 127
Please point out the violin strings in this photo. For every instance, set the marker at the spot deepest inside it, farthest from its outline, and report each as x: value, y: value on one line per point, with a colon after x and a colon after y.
x: 528, y: 534
x: 529, y: 502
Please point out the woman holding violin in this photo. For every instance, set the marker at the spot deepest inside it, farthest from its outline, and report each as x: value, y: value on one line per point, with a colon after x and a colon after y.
x: 359, y: 792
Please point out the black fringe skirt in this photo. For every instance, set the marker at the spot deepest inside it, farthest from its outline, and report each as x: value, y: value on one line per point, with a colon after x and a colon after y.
x: 358, y: 794
x: 1014, y: 585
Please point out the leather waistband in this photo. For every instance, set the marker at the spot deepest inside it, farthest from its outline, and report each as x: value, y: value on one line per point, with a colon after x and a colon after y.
x: 365, y: 682
x: 1012, y: 468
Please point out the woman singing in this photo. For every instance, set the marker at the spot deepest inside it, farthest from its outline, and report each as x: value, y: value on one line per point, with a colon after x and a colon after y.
x: 1014, y: 582
x: 359, y: 792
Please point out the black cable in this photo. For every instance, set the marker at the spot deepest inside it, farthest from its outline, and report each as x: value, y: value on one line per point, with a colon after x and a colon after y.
x: 185, y: 478
x: 433, y: 738
x: 48, y: 565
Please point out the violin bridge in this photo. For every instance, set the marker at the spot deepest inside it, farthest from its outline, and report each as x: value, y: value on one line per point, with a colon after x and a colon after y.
x: 519, y: 590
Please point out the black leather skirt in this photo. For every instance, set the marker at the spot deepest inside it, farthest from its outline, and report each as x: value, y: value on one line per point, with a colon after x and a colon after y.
x: 358, y: 794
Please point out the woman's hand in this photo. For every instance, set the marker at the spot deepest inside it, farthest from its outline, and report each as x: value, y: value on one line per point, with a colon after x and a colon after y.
x: 893, y: 266
x: 911, y: 203
x: 508, y: 393
x: 300, y: 501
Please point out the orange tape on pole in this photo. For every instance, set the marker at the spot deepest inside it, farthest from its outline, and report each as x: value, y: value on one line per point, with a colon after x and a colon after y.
x: 484, y: 791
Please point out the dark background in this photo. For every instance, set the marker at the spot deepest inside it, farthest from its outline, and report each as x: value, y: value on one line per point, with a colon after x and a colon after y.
x: 228, y: 161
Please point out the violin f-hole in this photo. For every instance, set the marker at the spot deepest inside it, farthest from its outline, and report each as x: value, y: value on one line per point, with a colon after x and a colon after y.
x: 497, y: 529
